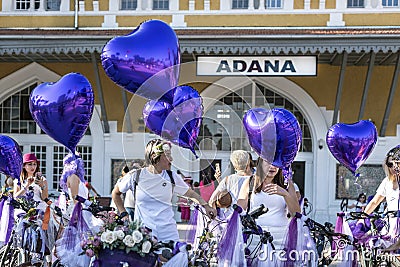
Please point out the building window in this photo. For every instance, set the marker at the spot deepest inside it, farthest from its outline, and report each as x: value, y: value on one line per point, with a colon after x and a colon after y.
x: 53, y: 5
x: 390, y: 3
x: 26, y: 4
x: 240, y: 4
x: 355, y: 3
x: 15, y: 116
x: 160, y: 5
x: 128, y: 4
x: 222, y: 126
x: 59, y: 152
x: 273, y: 4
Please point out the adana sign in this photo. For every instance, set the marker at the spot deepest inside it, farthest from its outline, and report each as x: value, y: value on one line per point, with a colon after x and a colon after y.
x: 257, y: 66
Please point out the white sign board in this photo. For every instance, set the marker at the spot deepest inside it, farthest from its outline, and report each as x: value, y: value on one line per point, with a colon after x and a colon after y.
x: 257, y: 66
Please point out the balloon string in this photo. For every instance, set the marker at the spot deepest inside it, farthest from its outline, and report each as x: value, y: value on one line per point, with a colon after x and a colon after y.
x: 197, y: 146
x: 359, y: 186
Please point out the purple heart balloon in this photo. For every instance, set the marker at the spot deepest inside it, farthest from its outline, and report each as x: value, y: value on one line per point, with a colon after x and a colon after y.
x: 10, y: 157
x: 275, y: 135
x: 150, y: 51
x: 178, y: 122
x: 351, y: 144
x: 63, y: 110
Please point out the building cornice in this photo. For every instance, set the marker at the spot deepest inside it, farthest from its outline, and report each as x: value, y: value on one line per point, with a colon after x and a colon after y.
x: 210, y: 40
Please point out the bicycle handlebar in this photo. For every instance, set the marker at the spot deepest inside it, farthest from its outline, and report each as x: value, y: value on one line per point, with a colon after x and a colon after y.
x: 323, y: 229
x: 92, y: 207
x: 357, y: 215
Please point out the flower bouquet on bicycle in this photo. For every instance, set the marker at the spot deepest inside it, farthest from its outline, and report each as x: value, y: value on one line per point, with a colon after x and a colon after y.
x: 119, y: 241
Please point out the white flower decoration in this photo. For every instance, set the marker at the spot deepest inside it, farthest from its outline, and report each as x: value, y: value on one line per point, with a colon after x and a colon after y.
x: 128, y: 241
x: 108, y: 237
x: 137, y: 236
x: 146, y: 246
x: 119, y: 234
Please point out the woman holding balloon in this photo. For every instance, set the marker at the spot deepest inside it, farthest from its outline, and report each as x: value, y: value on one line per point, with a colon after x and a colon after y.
x: 267, y: 187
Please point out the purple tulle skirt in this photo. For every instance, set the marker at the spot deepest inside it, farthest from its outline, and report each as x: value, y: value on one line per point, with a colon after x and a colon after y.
x: 108, y: 258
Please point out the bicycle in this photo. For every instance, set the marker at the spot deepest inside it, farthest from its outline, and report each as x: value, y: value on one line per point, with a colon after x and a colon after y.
x: 328, y: 243
x: 92, y: 207
x: 26, y: 247
x: 368, y: 237
x: 204, y: 249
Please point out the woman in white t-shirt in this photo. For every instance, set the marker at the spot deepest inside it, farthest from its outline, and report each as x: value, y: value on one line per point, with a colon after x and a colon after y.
x: 389, y: 189
x: 154, y: 190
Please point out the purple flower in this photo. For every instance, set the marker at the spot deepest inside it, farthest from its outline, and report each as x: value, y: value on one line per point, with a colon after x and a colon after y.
x: 90, y: 253
x: 96, y: 241
x: 83, y: 243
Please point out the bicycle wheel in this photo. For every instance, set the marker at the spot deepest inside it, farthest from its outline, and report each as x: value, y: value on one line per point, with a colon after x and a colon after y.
x: 57, y: 263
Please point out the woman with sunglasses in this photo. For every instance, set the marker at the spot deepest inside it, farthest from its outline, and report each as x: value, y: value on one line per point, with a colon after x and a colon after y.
x: 153, y: 188
x: 267, y: 187
x: 360, y: 204
x: 389, y: 189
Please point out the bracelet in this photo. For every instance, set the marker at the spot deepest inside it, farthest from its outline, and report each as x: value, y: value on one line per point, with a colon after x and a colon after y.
x: 43, y: 187
x: 123, y: 214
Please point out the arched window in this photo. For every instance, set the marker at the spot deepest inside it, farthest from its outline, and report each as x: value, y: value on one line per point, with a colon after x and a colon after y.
x: 15, y: 118
x: 222, y: 126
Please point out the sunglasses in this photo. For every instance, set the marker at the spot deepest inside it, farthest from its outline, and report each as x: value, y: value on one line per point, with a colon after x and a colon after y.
x: 392, y: 164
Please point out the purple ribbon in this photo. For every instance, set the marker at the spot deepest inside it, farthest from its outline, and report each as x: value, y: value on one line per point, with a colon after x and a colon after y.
x: 10, y: 221
x: 177, y: 247
x: 291, y: 240
x: 3, y: 200
x: 77, y: 225
x: 192, y: 226
x: 338, y: 229
x: 227, y: 243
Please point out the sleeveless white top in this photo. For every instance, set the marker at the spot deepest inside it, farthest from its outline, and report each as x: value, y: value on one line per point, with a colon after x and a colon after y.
x: 275, y: 220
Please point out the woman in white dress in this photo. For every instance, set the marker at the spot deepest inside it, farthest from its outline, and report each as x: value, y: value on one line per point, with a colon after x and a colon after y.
x: 82, y: 222
x: 267, y: 187
x: 32, y: 179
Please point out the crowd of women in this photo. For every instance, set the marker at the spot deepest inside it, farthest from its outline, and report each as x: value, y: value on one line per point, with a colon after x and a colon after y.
x: 152, y: 187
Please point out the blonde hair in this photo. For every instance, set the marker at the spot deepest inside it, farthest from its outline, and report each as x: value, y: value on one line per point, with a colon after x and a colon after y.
x: 240, y: 159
